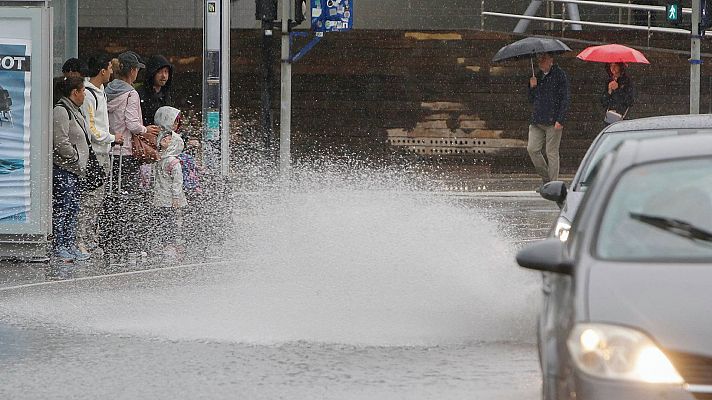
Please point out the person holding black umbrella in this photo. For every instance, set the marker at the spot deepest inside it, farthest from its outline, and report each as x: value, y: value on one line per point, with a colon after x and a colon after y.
x: 550, y: 97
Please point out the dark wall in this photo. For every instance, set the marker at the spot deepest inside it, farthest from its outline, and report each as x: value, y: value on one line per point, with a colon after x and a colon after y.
x: 353, y: 87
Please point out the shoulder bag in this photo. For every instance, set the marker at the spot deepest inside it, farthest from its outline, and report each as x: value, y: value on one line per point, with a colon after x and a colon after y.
x: 143, y: 146
x: 613, y: 116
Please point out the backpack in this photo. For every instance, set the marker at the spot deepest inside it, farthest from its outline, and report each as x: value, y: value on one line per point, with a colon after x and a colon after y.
x: 191, y: 180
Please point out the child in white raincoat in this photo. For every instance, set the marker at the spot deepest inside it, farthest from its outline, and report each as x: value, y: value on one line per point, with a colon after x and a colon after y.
x: 168, y: 195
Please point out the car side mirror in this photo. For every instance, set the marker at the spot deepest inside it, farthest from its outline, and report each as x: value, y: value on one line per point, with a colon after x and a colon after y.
x: 554, y: 191
x: 548, y: 255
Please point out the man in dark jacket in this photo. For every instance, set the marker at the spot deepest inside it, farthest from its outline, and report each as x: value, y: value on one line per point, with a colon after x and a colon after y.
x: 549, y: 93
x: 156, y: 90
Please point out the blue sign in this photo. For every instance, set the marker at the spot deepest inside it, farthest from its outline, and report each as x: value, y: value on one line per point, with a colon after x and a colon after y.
x: 15, y: 130
x: 332, y: 15
x: 213, y: 126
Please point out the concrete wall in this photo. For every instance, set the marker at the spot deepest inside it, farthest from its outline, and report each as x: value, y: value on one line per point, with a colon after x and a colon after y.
x: 369, y: 14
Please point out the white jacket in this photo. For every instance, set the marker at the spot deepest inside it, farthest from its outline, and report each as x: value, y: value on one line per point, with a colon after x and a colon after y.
x: 97, y: 118
x: 168, y: 176
x: 168, y: 173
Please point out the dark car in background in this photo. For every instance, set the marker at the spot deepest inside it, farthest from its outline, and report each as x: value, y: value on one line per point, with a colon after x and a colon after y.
x: 628, y: 297
x: 610, y: 137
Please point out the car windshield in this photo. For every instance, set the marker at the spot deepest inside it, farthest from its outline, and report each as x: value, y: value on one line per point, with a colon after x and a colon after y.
x: 611, y: 140
x: 660, y: 212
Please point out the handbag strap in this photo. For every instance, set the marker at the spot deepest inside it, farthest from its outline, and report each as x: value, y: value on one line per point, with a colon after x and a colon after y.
x: 83, y: 128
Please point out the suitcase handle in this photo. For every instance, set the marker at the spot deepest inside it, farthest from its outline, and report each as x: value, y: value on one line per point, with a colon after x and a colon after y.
x: 111, y: 168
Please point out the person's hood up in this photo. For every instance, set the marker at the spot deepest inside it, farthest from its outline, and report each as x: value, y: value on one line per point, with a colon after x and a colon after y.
x: 623, y: 66
x: 165, y: 117
x: 116, y: 88
x: 153, y: 65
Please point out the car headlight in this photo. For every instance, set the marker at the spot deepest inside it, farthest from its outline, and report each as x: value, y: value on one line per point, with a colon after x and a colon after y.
x: 616, y: 352
x: 562, y: 228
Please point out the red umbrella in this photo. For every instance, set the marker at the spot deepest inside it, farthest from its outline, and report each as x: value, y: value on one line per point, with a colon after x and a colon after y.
x: 612, y: 53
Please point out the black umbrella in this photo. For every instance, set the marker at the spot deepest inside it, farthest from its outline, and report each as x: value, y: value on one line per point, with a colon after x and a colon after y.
x: 528, y: 47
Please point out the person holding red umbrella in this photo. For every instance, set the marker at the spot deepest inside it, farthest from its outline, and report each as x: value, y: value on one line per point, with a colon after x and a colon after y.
x: 619, y: 94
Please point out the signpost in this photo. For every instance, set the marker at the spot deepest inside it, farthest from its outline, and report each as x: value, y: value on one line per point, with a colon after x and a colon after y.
x: 326, y: 16
x: 695, y: 60
x: 25, y: 129
x: 216, y: 85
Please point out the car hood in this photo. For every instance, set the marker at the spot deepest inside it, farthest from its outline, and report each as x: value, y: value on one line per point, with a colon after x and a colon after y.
x: 670, y: 302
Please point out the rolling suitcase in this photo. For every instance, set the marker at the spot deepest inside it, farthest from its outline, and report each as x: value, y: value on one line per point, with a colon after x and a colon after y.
x: 115, y: 217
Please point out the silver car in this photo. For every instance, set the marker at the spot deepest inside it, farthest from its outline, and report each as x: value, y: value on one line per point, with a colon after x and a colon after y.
x: 607, y: 140
x: 628, y: 298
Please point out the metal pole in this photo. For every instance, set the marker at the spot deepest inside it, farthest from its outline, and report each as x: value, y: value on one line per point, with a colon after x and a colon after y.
x: 630, y: 15
x: 563, y: 18
x: 523, y: 24
x: 285, y: 114
x: 649, y: 24
x: 695, y: 59
x: 482, y: 16
x: 267, y: 78
x: 709, y: 109
x: 225, y: 89
x: 574, y: 16
x: 71, y: 44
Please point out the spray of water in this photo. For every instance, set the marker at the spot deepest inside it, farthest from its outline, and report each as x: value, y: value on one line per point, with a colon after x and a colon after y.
x: 339, y: 255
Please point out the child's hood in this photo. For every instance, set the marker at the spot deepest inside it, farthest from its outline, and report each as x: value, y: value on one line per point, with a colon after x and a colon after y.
x: 166, y: 116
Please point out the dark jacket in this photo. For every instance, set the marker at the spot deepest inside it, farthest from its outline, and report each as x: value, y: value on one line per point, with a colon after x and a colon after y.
x: 150, y: 100
x: 620, y: 99
x: 550, y: 97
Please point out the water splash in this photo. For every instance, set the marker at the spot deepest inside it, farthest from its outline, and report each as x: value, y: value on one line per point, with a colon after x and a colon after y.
x: 338, y: 255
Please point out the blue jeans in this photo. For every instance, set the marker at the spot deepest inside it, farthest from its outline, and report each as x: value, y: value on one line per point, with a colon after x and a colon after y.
x: 65, y: 207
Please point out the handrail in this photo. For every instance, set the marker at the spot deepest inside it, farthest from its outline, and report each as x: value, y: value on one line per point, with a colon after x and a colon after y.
x: 601, y: 24
x: 620, y: 5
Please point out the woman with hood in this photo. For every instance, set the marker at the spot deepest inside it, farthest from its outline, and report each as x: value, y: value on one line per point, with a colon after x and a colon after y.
x: 70, y: 157
x: 619, y: 93
x: 125, y: 118
x: 168, y: 194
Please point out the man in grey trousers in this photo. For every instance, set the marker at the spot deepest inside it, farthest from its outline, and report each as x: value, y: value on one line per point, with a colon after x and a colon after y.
x: 549, y: 94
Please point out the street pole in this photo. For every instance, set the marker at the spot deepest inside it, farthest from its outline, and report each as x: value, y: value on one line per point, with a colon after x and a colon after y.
x: 216, y: 86
x: 266, y: 98
x: 695, y: 60
x: 285, y: 114
x: 225, y: 90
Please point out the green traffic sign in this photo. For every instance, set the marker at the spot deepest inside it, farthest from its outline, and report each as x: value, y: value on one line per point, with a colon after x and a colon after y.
x: 673, y: 11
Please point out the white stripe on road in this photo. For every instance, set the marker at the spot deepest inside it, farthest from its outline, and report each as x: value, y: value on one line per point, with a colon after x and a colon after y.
x: 95, y: 277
